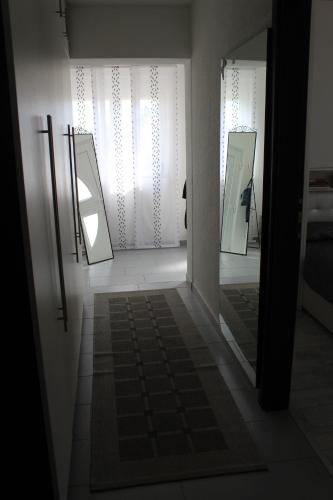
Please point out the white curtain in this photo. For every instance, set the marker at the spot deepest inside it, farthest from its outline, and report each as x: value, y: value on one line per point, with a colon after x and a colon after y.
x: 243, y: 105
x: 137, y: 120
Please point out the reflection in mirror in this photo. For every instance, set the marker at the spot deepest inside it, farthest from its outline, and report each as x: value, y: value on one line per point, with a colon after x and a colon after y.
x: 91, y: 204
x: 243, y: 89
x: 237, y: 192
x: 91, y: 226
x: 84, y: 193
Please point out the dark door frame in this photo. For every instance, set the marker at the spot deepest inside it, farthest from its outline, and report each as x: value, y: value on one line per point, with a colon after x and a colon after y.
x: 285, y: 129
x: 28, y: 426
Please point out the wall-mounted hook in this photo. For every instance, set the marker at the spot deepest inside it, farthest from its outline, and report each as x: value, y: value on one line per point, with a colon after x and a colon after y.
x: 223, y: 65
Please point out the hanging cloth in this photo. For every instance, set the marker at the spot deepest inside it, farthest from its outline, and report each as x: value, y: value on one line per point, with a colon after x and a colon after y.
x: 246, y: 199
x: 184, y: 196
x: 136, y: 116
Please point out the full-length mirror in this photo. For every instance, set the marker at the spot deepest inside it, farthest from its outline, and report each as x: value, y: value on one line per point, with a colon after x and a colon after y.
x: 243, y: 94
x: 91, y: 203
x: 237, y: 192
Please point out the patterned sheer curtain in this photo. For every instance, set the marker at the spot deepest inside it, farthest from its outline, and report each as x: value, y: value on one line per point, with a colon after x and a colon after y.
x: 243, y: 105
x: 136, y: 114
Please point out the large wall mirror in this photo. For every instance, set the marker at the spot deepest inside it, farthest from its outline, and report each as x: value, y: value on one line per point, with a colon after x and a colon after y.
x: 93, y: 218
x: 243, y: 93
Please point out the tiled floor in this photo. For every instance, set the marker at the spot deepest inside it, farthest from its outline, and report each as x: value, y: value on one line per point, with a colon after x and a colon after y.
x: 295, y: 471
x: 240, y: 268
x: 239, y: 309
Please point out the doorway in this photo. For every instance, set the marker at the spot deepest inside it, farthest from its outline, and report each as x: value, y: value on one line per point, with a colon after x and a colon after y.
x: 136, y: 115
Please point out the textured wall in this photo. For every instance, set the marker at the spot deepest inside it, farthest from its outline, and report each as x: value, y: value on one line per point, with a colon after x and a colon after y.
x: 217, y: 27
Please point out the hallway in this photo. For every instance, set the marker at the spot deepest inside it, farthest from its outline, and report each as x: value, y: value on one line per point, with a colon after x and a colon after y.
x: 294, y: 469
x: 53, y: 306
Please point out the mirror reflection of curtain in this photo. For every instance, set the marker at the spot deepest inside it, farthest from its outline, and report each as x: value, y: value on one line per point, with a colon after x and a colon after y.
x: 136, y: 114
x: 243, y: 104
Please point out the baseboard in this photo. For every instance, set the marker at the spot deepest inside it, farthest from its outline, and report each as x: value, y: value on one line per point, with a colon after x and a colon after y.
x: 213, y: 317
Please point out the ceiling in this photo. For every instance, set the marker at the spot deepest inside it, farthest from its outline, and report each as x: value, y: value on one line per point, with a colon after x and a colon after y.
x: 130, y: 2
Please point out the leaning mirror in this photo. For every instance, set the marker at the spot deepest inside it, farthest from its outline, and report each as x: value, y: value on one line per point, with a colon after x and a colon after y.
x: 93, y: 218
x: 238, y: 192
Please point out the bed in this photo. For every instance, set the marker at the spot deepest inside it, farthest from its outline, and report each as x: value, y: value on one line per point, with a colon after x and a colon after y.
x: 317, y: 296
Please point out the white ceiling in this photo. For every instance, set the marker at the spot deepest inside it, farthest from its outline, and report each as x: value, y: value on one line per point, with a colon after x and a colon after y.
x: 130, y: 2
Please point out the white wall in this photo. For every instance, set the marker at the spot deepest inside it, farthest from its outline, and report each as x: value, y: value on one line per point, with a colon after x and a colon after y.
x: 42, y: 87
x: 217, y: 27
x: 106, y: 31
x: 253, y: 50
